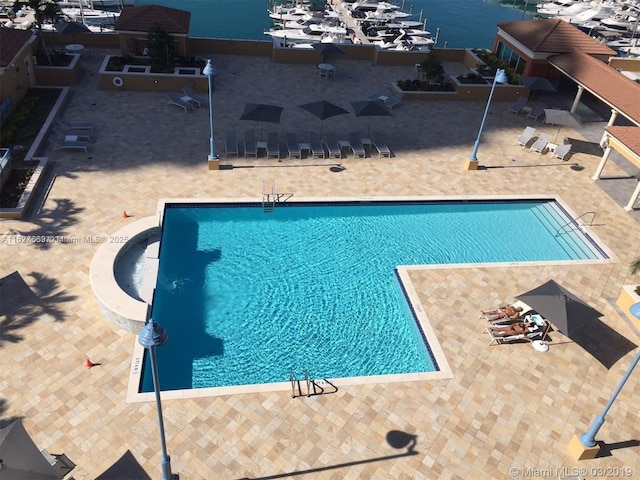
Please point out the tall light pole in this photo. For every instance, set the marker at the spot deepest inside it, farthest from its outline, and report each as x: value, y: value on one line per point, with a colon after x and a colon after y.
x: 151, y: 336
x: 213, y: 159
x: 501, y: 77
x: 585, y: 446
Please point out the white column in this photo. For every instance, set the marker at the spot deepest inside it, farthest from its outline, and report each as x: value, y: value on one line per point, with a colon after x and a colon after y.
x: 604, y: 159
x: 634, y: 197
x: 576, y: 101
x: 612, y: 120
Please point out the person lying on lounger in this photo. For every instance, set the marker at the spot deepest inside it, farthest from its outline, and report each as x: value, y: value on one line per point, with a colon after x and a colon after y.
x: 509, y: 311
x: 515, y: 329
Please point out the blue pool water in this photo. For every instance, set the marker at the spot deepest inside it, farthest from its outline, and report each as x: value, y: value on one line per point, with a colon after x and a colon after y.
x: 248, y: 296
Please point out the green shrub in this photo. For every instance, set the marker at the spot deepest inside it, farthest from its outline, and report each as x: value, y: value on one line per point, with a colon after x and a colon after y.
x: 493, y: 63
x: 18, y: 119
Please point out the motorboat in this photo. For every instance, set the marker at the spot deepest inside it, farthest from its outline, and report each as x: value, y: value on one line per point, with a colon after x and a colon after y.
x: 320, y: 32
x: 623, y: 23
x: 392, y: 31
x: 296, y: 13
x: 406, y: 42
x: 307, y: 18
x: 23, y: 19
x: 555, y: 7
x: 386, y: 15
x: 90, y: 16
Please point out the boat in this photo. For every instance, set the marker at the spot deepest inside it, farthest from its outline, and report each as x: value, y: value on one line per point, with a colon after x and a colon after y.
x: 90, y: 16
x: 320, y: 32
x: 555, y: 7
x: 386, y: 15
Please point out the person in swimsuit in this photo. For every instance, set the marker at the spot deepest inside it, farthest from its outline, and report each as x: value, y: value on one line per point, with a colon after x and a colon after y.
x: 515, y: 329
x: 509, y: 311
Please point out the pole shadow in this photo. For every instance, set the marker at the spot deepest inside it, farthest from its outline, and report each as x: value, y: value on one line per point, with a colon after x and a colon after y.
x: 606, y: 448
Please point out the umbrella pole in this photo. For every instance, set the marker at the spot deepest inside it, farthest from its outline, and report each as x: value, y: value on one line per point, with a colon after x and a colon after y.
x: 369, y: 129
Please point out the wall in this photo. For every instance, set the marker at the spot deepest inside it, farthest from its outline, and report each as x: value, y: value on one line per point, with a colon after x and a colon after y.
x: 59, y: 76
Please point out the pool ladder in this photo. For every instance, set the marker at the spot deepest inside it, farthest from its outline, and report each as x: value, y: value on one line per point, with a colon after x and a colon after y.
x: 270, y: 199
x: 313, y: 387
x: 562, y: 230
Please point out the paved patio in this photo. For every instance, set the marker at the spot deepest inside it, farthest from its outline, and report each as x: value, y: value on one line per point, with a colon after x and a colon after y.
x: 508, y: 412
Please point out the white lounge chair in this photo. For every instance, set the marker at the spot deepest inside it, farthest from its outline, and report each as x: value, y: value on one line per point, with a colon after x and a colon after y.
x: 384, y: 91
x: 250, y: 146
x: 317, y: 150
x: 393, y: 100
x: 333, y: 147
x: 540, y: 145
x: 525, y: 137
x: 535, y: 332
x: 356, y: 144
x: 180, y: 101
x: 518, y: 106
x: 562, y: 151
x: 381, y: 145
x: 231, y: 143
x: 74, y: 125
x: 61, y: 143
x: 273, y: 147
x: 293, y: 146
x: 195, y: 98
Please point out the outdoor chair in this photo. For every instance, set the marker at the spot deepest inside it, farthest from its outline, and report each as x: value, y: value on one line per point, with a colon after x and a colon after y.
x: 535, y: 332
x: 293, y: 146
x: 74, y: 125
x: 333, y: 146
x: 195, y: 98
x: 317, y: 150
x: 384, y: 91
x: 562, y: 151
x: 250, y: 146
x: 61, y: 143
x: 180, y: 101
x: 540, y: 145
x: 393, y: 100
x: 526, y: 136
x: 381, y: 146
x: 231, y: 143
x: 518, y: 106
x: 72, y: 135
x: 537, y: 111
x: 273, y: 147
x: 356, y: 144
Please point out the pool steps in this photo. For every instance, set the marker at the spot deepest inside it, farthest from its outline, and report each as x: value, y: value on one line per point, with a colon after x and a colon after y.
x: 313, y: 387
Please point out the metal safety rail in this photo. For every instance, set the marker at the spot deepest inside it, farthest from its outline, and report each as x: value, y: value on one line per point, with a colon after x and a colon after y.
x: 270, y: 199
x: 561, y: 230
x: 312, y: 387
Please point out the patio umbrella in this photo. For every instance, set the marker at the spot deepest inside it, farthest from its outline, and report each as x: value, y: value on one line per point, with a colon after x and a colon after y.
x: 538, y: 84
x: 563, y: 118
x: 325, y: 49
x: 260, y: 112
x: 21, y: 458
x: 323, y: 110
x: 69, y: 28
x: 578, y: 321
x: 370, y: 108
x: 566, y: 311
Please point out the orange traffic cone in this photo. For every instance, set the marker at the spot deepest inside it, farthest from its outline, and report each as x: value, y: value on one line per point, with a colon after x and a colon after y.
x: 125, y: 214
x: 88, y: 363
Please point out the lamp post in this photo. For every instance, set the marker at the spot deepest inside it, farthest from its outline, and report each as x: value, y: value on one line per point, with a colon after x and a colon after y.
x: 587, y: 447
x: 213, y: 159
x: 501, y: 77
x: 154, y: 335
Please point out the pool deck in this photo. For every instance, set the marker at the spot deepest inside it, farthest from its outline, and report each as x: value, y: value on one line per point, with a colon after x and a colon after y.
x: 508, y: 412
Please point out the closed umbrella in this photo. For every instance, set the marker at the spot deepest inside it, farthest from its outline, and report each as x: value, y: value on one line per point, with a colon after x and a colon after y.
x: 323, y: 110
x: 370, y: 108
x: 260, y: 112
x: 563, y: 118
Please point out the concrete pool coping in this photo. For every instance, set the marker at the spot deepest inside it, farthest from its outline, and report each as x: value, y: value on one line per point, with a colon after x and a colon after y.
x: 131, y: 314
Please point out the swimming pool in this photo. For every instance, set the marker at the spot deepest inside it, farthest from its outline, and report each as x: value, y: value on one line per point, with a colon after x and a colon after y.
x: 249, y: 296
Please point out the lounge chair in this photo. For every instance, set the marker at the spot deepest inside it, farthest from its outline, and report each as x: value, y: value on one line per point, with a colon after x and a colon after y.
x: 540, y: 145
x: 250, y: 146
x: 83, y: 135
x: 231, y: 143
x: 380, y: 145
x: 333, y: 147
x: 535, y: 332
x: 195, y: 98
x: 61, y: 143
x: 562, y: 151
x: 537, y: 111
x: 356, y: 144
x: 393, y: 100
x: 74, y: 125
x: 273, y: 146
x: 383, y: 91
x: 317, y: 150
x: 526, y: 136
x: 293, y: 146
x: 180, y: 101
x: 518, y: 106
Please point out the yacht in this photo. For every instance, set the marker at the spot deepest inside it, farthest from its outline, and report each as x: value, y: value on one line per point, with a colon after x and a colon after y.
x: 319, y: 32
x: 386, y: 15
x: 90, y: 16
x: 555, y: 7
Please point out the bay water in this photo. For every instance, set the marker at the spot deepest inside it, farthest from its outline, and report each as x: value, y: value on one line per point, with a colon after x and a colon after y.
x: 462, y: 23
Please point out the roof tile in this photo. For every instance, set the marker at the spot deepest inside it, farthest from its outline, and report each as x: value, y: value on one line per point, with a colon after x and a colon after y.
x: 140, y: 19
x: 11, y: 41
